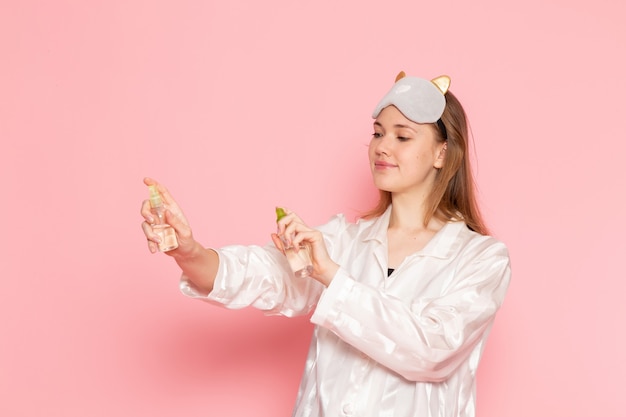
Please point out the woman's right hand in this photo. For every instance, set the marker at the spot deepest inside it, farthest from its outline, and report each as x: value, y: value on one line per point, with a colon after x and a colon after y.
x: 174, y: 217
x: 297, y: 233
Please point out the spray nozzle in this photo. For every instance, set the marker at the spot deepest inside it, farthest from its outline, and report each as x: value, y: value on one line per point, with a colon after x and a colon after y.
x: 280, y: 213
x: 155, y: 197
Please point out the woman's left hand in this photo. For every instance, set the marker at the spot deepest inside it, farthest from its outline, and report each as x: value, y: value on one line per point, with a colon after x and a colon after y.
x: 298, y: 234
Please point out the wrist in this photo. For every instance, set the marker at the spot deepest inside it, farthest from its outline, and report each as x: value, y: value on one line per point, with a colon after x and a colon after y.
x: 190, y: 253
x: 328, y: 274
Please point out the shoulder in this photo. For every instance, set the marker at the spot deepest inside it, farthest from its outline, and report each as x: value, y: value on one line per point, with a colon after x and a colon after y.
x: 480, y: 246
x: 479, y: 259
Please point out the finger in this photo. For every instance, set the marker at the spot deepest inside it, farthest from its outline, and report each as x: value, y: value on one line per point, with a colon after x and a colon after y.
x: 304, y: 236
x: 289, y: 218
x: 149, y: 232
x: 294, y: 228
x: 288, y: 231
x: 165, y: 194
x: 152, y: 247
x: 278, y: 243
x: 145, y: 211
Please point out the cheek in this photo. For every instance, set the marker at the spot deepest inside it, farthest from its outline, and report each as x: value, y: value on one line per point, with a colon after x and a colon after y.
x: 371, y: 150
x: 419, y: 162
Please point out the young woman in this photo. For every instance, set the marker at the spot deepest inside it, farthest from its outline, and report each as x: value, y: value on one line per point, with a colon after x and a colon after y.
x: 403, y: 299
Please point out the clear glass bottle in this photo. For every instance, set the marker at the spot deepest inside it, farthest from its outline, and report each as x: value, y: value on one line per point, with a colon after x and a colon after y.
x: 160, y: 226
x: 300, y: 259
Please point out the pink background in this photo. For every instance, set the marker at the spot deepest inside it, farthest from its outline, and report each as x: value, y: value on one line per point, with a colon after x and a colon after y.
x: 238, y: 106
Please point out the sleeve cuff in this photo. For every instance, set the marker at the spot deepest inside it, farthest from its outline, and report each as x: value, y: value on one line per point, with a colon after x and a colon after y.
x: 334, y: 296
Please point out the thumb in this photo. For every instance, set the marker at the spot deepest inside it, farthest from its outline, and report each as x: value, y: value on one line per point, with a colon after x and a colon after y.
x: 278, y: 243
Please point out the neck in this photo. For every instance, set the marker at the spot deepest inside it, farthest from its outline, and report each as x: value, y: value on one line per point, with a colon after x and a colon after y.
x: 408, y: 212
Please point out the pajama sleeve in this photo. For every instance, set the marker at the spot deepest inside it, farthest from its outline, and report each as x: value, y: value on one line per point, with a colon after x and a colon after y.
x: 259, y: 277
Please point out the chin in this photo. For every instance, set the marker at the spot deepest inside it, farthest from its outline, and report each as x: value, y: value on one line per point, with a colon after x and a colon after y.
x: 383, y: 187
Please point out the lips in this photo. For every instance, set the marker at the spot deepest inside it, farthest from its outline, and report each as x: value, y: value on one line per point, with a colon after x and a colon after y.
x: 384, y: 165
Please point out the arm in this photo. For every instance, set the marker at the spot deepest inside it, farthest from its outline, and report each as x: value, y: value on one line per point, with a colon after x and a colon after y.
x: 200, y: 267
x: 261, y: 277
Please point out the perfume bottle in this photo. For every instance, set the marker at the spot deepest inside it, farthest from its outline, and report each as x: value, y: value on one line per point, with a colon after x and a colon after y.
x: 299, y: 260
x: 160, y: 227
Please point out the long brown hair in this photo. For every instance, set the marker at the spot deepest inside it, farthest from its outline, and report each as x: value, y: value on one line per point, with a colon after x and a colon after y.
x: 453, y: 195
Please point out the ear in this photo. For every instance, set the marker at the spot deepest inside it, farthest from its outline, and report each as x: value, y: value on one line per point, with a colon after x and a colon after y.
x: 400, y: 76
x: 442, y: 83
x: 441, y: 156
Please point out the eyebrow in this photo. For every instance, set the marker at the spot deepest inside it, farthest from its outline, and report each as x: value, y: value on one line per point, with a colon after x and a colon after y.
x: 397, y: 126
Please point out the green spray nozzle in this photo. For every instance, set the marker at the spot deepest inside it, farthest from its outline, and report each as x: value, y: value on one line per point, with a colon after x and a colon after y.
x: 280, y: 213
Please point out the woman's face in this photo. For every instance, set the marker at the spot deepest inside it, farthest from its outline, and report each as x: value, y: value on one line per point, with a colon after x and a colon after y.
x: 404, y: 156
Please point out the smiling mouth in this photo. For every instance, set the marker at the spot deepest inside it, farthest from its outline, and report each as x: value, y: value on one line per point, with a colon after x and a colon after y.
x: 384, y: 165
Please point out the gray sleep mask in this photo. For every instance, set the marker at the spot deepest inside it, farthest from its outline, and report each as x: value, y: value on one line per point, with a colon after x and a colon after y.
x: 419, y: 100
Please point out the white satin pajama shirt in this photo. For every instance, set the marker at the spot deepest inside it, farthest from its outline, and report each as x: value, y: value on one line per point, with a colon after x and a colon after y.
x: 398, y: 346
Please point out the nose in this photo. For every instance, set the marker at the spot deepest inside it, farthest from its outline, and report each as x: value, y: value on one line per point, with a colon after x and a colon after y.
x: 381, y: 145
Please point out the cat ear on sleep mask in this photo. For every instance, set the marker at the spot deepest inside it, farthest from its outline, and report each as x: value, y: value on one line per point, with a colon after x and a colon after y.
x: 418, y: 99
